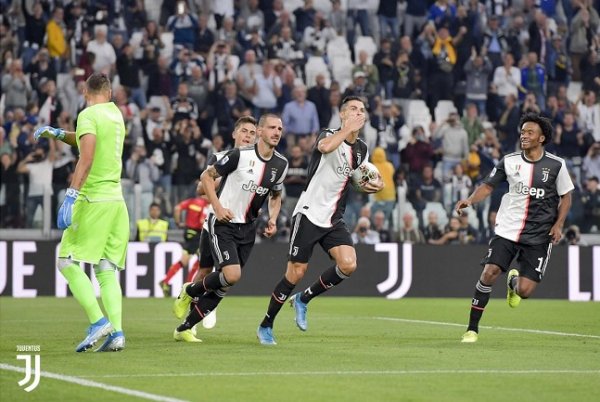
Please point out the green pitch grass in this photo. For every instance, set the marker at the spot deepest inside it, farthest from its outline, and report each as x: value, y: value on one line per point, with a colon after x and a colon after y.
x: 356, y: 349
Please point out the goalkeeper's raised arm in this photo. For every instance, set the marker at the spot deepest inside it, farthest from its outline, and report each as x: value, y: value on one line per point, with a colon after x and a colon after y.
x: 67, y: 137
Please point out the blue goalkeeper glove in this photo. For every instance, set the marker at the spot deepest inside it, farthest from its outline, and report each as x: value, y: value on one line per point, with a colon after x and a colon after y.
x: 49, y: 132
x: 65, y: 213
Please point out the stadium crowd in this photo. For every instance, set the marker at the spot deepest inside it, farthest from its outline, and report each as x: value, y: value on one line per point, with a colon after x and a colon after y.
x: 446, y: 82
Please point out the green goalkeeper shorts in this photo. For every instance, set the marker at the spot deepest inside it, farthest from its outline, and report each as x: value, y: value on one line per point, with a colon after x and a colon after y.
x: 99, y: 231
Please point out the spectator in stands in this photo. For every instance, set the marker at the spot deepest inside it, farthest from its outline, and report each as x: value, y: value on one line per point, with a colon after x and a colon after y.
x: 591, y: 205
x: 332, y: 111
x: 36, y: 25
x: 161, y: 90
x: 56, y: 37
x: 460, y: 184
x: 300, y: 117
x: 451, y: 234
x: 182, y: 66
x: 489, y: 232
x: 41, y: 67
x: 199, y: 92
x: 319, y: 95
x: 188, y: 144
x: 507, y: 78
x: 363, y: 234
x: 128, y: 69
x: 151, y: 43
x: 370, y: 70
x: 591, y: 162
x: 404, y: 85
x: 286, y: 48
x: 222, y: 66
x: 254, y: 17
x: 582, y: 28
x: 229, y: 107
x: 16, y: 86
x: 569, y: 143
x: 38, y: 166
x: 246, y: 76
x: 442, y: 11
x: 268, y: 89
x: 558, y: 64
x: 409, y: 233
x: 432, y: 230
x: 472, y: 123
x: 415, y: 17
x: 337, y: 18
x: 494, y: 42
x: 508, y: 125
x: 455, y: 143
x: 105, y: 56
x: 305, y: 17
x: 296, y: 178
x: 379, y: 225
x: 590, y: 68
x: 415, y: 55
x: 184, y: 26
x: 589, y: 115
x: 141, y: 171
x: 131, y: 115
x: 204, y: 37
x: 426, y: 189
x: 417, y: 154
x: 385, y: 61
x: 385, y: 200
x: 467, y: 234
x: 533, y: 78
x: 359, y: 87
x: 387, y: 13
x: 50, y: 104
x: 160, y: 150
x: 316, y: 36
x: 152, y: 229
x: 183, y: 106
x: 477, y: 70
x: 388, y: 120
x: 10, y: 210
x: 357, y: 14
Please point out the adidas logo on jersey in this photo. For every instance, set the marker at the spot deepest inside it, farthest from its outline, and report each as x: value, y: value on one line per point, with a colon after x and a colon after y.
x: 520, y: 188
x: 254, y: 188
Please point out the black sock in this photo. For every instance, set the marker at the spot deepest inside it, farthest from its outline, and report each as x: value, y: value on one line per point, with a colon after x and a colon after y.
x: 207, y: 303
x: 214, y: 280
x: 480, y: 300
x: 328, y: 279
x: 278, y: 297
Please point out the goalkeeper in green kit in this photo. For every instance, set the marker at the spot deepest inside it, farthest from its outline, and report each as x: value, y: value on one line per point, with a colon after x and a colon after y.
x: 93, y: 215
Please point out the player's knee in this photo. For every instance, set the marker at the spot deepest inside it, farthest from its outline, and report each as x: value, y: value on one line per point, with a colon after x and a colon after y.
x: 63, y: 263
x: 232, y: 274
x: 347, y: 265
x: 295, y: 271
x: 104, y: 265
x: 490, y: 274
x: 525, y: 291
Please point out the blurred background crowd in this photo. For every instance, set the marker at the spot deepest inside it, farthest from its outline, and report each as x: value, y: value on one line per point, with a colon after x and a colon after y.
x: 446, y: 82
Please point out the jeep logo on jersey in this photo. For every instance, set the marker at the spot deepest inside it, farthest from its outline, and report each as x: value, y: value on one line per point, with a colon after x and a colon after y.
x: 344, y: 170
x: 254, y: 188
x: 532, y: 191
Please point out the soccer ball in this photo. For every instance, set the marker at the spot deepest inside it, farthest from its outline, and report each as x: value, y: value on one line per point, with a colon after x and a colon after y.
x: 363, y: 174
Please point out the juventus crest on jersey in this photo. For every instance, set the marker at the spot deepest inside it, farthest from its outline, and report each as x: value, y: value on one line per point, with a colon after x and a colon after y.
x: 247, y: 180
x: 323, y: 200
x: 530, y: 208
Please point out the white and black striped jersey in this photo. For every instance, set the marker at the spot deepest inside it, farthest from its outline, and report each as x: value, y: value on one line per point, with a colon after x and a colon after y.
x: 247, y: 181
x: 530, y: 208
x: 323, y: 200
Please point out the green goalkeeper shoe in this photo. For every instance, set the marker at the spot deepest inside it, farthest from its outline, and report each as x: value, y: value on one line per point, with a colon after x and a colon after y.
x: 182, y: 304
x: 185, y: 336
x: 512, y: 297
x: 470, y: 337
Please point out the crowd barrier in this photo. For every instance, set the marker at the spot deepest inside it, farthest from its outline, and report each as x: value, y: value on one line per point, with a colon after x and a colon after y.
x: 391, y: 270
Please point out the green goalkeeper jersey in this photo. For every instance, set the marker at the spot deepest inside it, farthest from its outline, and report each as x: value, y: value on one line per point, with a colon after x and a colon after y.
x: 105, y: 121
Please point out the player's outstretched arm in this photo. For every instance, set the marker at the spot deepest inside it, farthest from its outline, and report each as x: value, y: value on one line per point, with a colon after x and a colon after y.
x: 480, y: 194
x: 563, y: 210
x: 82, y: 169
x: 274, y: 209
x: 67, y: 137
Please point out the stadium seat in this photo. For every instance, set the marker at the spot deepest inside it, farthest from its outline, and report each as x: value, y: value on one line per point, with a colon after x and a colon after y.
x: 574, y: 91
x: 365, y: 43
x: 416, y: 113
x: 167, y: 40
x: 442, y: 110
x: 439, y: 209
x: 403, y: 209
x: 314, y: 66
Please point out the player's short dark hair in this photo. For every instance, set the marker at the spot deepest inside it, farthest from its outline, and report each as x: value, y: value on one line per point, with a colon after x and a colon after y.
x: 154, y: 204
x: 97, y: 83
x: 263, y: 119
x: 244, y: 120
x: 353, y: 98
x: 544, y: 124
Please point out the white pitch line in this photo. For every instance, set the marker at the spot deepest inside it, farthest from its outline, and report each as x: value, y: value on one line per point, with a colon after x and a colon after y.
x: 453, y: 324
x: 342, y: 373
x: 93, y: 384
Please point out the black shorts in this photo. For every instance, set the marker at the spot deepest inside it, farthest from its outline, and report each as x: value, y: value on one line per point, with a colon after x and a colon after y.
x: 230, y: 243
x: 206, y: 258
x: 531, y: 259
x: 191, y: 240
x: 305, y: 235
